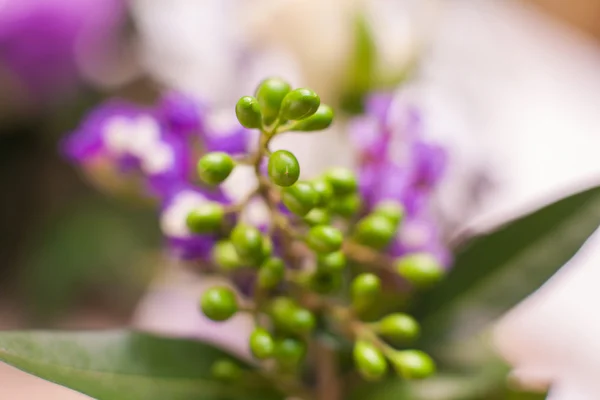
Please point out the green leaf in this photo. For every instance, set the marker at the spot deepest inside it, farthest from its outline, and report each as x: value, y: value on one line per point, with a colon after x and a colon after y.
x: 121, y: 365
x: 499, y: 269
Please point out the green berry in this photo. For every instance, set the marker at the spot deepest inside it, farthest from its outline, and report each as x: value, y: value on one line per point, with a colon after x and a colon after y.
x: 247, y: 111
x: 392, y: 210
x: 248, y: 243
x: 284, y: 169
x: 214, y: 168
x: 332, y: 262
x: 365, y: 286
x: 290, y: 352
x: 345, y: 206
x: 324, y: 190
x: 225, y: 370
x: 375, y: 231
x: 302, y: 321
x: 317, y: 216
x: 420, y: 269
x: 270, y: 93
x: 324, y: 282
x: 398, y: 327
x: 320, y: 120
x: 225, y: 256
x: 299, y: 198
x: 342, y: 180
x: 369, y: 360
x: 324, y: 239
x: 267, y: 248
x: 412, y: 364
x: 262, y: 345
x: 299, y: 104
x: 219, y: 303
x: 206, y: 218
x: 271, y: 272
x: 280, y: 309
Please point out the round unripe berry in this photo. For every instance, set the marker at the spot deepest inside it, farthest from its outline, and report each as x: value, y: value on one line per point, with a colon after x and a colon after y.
x: 332, y: 262
x: 271, y: 273
x: 214, y: 168
x: 299, y: 104
x: 248, y: 243
x: 299, y: 198
x: 365, y: 286
x: 317, y: 216
x: 224, y: 255
x: 398, y: 327
x: 206, y: 218
x: 301, y: 321
x: 320, y: 120
x: 219, y: 303
x: 225, y: 370
x: 324, y: 282
x: 324, y: 191
x: 247, y: 111
x: 324, y: 239
x: 375, y: 231
x: 369, y: 360
x: 280, y: 309
x: 420, y: 269
x: 284, y: 169
x: 412, y: 364
x: 290, y: 352
x: 345, y: 206
x: 262, y: 345
x: 342, y: 180
x: 392, y: 210
x: 270, y: 93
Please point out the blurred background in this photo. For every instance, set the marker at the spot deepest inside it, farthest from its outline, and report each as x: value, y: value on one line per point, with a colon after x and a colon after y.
x: 510, y: 87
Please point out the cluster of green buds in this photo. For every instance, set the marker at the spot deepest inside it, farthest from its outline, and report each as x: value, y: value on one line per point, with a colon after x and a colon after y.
x: 320, y: 265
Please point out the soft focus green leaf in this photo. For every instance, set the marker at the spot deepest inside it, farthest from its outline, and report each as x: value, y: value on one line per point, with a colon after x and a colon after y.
x: 120, y: 365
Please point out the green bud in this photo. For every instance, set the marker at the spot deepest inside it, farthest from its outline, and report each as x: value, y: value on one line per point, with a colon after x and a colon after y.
x: 345, y: 206
x: 290, y: 352
x: 262, y: 345
x: 375, y: 231
x: 365, y: 286
x: 280, y: 309
x: 248, y: 242
x: 270, y: 93
x: 317, y: 216
x: 369, y: 360
x: 299, y: 104
x: 342, y: 180
x: 299, y: 198
x: 302, y: 321
x: 412, y: 364
x: 214, y: 168
x: 225, y: 256
x: 247, y: 111
x: 219, y: 303
x: 324, y: 282
x: 225, y: 370
x: 398, y: 327
x: 324, y: 190
x: 392, y: 210
x: 206, y: 218
x: 271, y: 272
x: 332, y: 262
x: 420, y: 269
x: 320, y: 120
x: 284, y: 169
x: 324, y: 239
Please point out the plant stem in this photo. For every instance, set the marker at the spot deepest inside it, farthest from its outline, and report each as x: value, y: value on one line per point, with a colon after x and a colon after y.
x: 328, y: 381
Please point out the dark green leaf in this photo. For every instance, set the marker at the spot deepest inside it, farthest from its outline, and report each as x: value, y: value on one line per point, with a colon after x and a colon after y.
x: 120, y: 365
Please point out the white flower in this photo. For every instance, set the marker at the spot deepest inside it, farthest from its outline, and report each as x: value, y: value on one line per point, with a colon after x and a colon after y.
x: 173, y: 218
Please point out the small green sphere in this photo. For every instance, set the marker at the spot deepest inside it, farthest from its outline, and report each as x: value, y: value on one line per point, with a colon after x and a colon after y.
x: 324, y: 190
x: 247, y: 111
x: 345, y: 206
x: 284, y: 169
x: 224, y: 256
x: 399, y: 327
x: 392, y: 210
x: 413, y: 364
x: 262, y: 345
x: 365, y: 285
x: 206, y: 218
x: 214, y: 168
x: 271, y: 273
x: 300, y: 104
x: 219, y: 303
x: 302, y: 321
x: 320, y: 120
x: 248, y: 242
x: 324, y: 239
x: 375, y: 231
x: 420, y: 269
x: 325, y: 282
x: 342, y: 180
x: 280, y: 309
x: 299, y: 198
x: 270, y: 93
x: 225, y: 370
x: 332, y: 262
x: 317, y: 216
x: 369, y: 361
x: 290, y: 352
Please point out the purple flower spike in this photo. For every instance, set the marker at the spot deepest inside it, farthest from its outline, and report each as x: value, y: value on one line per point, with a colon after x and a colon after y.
x: 224, y: 133
x: 182, y: 114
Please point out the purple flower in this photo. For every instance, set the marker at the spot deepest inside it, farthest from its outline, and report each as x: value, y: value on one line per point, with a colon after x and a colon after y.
x: 182, y: 114
x: 223, y: 132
